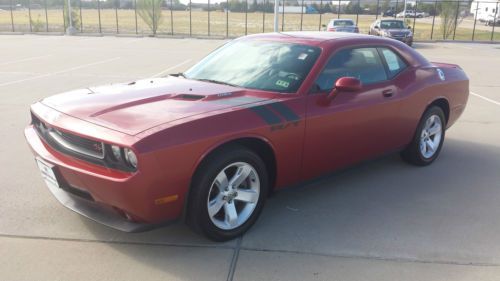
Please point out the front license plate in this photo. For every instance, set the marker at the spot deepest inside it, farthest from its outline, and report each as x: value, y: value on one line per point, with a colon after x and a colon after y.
x: 47, y: 172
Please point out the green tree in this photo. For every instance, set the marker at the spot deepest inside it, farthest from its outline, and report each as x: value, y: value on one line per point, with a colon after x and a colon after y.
x: 150, y: 13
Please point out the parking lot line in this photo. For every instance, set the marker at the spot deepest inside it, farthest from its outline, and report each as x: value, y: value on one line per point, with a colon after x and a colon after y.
x: 25, y: 59
x: 58, y: 72
x: 485, y: 98
x: 170, y: 68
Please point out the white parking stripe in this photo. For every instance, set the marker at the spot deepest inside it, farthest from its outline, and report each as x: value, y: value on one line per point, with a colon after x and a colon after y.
x: 170, y: 68
x: 485, y: 98
x: 26, y: 59
x: 58, y: 72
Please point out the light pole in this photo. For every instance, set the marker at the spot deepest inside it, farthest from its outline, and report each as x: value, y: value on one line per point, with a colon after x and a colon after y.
x: 71, y: 30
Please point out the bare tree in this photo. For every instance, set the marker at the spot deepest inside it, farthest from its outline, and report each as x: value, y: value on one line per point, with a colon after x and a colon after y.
x: 451, y: 15
x: 150, y: 13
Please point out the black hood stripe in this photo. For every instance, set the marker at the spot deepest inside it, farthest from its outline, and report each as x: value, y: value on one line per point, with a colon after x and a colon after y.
x: 285, y: 111
x: 269, y: 117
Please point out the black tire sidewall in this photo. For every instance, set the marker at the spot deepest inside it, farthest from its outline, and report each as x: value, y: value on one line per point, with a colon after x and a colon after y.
x: 205, y: 175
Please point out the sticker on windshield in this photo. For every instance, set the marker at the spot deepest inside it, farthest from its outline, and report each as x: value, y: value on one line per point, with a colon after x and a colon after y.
x: 302, y: 56
x: 441, y: 74
x: 282, y: 83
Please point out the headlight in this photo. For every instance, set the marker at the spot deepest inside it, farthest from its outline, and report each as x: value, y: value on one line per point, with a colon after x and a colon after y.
x: 130, y: 157
x: 117, y: 153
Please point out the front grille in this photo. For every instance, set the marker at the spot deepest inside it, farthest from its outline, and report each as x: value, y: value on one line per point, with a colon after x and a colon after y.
x: 69, y: 143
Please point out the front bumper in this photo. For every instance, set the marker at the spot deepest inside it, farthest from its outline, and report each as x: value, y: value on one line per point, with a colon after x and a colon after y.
x: 120, y: 200
x: 407, y: 40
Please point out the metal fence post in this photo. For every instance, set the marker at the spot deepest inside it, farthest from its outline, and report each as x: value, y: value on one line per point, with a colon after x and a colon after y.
x: 190, y: 21
x: 227, y: 19
x: 116, y: 15
x: 396, y: 9
x: 338, y: 11
x: 434, y: 18
x: 81, y: 18
x: 264, y: 16
x: 64, y: 15
x: 494, y: 22
x: 135, y: 15
x: 99, y: 14
x: 475, y: 19
x: 29, y: 15
x: 46, y: 17
x: 357, y: 12
x: 154, y: 22
x: 414, y: 17
x: 301, y: 14
x: 11, y: 17
x: 320, y: 14
x: 283, y: 17
x: 208, y: 25
x: 172, y: 17
x: 456, y: 19
x: 246, y: 17
x: 378, y: 10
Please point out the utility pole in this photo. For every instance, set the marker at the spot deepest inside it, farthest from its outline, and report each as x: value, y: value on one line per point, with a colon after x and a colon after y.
x: 71, y: 30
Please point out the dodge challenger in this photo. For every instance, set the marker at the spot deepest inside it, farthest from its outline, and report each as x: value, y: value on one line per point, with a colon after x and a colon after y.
x: 258, y: 114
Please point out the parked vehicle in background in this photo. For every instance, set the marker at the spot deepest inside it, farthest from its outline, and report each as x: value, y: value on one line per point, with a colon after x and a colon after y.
x: 389, y: 13
x: 486, y: 11
x: 411, y: 14
x: 342, y: 25
x: 394, y: 29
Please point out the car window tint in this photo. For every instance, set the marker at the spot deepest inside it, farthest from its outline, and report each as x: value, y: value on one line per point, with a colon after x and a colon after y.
x: 394, y: 63
x: 362, y: 63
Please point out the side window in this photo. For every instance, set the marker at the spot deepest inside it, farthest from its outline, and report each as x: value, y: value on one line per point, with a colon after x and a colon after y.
x: 362, y: 63
x: 394, y: 63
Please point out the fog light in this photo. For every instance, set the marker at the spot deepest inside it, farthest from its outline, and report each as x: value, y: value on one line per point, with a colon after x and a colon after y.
x: 131, y: 157
x: 116, y: 152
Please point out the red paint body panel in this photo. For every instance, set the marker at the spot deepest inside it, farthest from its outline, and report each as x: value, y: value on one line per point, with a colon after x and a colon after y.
x: 173, y: 123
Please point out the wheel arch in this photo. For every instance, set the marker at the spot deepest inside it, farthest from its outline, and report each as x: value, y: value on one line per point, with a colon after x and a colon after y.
x: 261, y: 146
x: 444, y: 105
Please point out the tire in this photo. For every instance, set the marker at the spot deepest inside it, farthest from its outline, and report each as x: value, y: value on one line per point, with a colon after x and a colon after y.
x: 428, y: 139
x: 218, y: 210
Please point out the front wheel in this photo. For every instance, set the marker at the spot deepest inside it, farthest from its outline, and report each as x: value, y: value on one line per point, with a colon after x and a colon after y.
x: 428, y: 139
x: 228, y: 193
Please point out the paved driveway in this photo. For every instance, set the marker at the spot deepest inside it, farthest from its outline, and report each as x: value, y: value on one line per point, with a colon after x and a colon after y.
x: 382, y: 220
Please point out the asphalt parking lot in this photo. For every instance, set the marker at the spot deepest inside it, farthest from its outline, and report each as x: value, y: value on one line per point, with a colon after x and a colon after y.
x: 382, y: 220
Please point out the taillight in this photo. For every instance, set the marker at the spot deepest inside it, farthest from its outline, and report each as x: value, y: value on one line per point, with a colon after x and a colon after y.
x: 356, y: 30
x: 332, y: 29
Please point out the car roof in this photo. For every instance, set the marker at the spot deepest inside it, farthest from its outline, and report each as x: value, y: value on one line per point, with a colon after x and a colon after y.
x: 307, y: 37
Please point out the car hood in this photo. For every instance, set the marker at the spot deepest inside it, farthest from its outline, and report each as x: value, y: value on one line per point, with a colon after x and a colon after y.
x: 134, y: 107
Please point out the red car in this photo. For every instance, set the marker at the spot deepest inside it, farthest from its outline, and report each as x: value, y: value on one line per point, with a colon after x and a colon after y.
x: 258, y: 114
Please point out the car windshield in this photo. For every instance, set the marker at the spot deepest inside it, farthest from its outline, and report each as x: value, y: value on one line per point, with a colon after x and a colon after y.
x: 257, y: 64
x: 343, y: 23
x: 391, y: 24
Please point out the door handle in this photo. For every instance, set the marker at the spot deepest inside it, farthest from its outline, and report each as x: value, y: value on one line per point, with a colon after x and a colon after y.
x: 387, y: 93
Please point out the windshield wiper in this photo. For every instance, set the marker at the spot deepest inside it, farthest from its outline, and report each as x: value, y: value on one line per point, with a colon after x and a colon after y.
x: 217, y: 82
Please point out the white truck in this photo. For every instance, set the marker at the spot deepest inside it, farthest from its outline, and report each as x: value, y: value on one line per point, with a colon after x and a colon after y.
x: 486, y: 11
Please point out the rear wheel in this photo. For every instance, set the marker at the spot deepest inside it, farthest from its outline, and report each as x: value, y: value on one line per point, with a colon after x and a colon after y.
x: 428, y: 139
x: 228, y: 193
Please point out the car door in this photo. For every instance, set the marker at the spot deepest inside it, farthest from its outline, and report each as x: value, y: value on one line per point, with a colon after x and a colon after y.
x: 354, y: 126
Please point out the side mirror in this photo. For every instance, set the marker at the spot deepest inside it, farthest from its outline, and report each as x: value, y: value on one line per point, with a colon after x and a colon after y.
x: 409, y: 27
x: 348, y: 84
x: 345, y: 84
x: 376, y: 27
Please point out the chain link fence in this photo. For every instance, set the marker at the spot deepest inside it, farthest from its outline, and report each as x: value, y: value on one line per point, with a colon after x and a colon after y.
x: 430, y: 19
